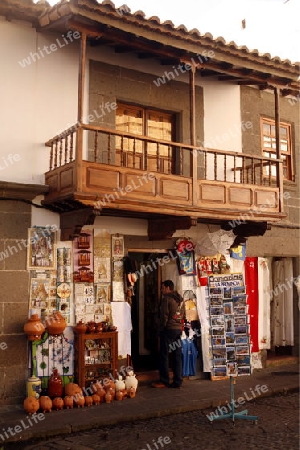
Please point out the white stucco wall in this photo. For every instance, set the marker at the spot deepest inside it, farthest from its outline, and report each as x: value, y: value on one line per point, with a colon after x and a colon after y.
x: 37, y: 100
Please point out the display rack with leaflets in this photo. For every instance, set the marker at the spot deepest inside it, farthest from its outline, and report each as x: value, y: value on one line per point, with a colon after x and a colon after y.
x: 229, y: 326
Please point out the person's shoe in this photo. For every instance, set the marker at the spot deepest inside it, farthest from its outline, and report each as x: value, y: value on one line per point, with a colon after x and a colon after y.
x: 158, y: 384
x: 175, y: 386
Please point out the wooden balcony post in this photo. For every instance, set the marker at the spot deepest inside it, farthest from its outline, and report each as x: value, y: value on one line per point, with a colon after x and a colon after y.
x: 192, y: 74
x: 81, y: 76
x: 279, y: 172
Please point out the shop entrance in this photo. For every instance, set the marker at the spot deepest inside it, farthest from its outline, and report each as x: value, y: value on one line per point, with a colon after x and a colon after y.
x: 144, y: 311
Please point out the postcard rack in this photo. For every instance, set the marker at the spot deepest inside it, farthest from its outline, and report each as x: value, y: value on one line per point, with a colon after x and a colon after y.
x: 229, y: 326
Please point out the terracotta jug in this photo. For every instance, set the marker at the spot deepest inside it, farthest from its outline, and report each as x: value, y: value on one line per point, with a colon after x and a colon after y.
x: 34, y: 328
x: 55, y: 384
x: 80, y: 328
x: 55, y: 324
x: 31, y: 405
x: 58, y: 403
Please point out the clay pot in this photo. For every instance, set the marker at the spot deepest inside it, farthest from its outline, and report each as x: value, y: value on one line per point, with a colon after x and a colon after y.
x: 100, y: 391
x: 108, y: 397
x: 119, y: 395
x: 131, y: 381
x: 91, y: 327
x: 72, y: 389
x: 68, y: 402
x: 80, y: 328
x: 58, y: 403
x: 79, y: 401
x: 99, y: 327
x: 31, y: 405
x: 120, y: 384
x: 55, y: 324
x: 55, y: 384
x: 88, y: 400
x: 96, y: 399
x: 34, y: 328
x: 131, y: 392
x: 45, y: 403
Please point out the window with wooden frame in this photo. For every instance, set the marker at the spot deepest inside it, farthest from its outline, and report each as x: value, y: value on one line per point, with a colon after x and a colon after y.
x: 268, y: 140
x: 141, y: 153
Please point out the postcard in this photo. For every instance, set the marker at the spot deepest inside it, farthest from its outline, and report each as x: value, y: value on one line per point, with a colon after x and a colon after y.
x: 217, y: 331
x: 217, y: 320
x: 216, y: 311
x: 242, y: 329
x: 229, y: 338
x: 219, y: 371
x: 243, y: 360
x: 232, y: 369
x: 240, y: 340
x: 219, y: 361
x: 230, y: 352
x: 244, y: 370
x: 219, y: 352
x: 242, y: 350
x: 218, y: 341
x: 240, y: 320
x: 228, y: 308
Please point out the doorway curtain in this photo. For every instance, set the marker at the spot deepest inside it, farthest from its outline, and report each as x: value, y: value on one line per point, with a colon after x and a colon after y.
x: 282, y: 296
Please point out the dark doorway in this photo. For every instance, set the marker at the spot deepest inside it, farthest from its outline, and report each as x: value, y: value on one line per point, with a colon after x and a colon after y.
x: 145, y: 307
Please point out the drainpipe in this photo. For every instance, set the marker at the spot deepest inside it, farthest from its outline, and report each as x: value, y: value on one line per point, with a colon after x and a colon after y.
x: 192, y: 74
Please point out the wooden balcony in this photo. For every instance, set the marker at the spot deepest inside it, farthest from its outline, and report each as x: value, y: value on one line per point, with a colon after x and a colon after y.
x: 123, y: 174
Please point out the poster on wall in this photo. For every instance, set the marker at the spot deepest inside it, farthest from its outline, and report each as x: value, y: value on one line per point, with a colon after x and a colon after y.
x: 41, y: 248
x: 102, y: 244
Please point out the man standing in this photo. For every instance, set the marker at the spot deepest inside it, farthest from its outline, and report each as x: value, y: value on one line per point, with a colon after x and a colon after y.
x: 171, y: 317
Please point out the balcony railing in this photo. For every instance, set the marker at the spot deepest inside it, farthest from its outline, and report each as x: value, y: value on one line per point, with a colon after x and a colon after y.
x: 90, y: 163
x: 107, y: 146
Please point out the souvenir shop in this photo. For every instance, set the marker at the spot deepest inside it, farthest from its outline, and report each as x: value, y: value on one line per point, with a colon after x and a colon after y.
x: 93, y: 301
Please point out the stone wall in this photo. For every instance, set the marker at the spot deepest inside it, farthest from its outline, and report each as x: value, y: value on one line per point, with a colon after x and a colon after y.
x: 15, y: 219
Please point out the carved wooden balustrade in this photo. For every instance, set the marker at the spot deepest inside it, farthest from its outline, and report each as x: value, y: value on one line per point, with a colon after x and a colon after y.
x: 90, y: 162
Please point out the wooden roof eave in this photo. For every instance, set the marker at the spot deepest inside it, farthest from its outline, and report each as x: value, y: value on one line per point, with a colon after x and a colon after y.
x: 176, y: 39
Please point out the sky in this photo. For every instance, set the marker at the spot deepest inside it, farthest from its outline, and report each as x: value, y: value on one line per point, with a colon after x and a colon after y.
x: 272, y: 26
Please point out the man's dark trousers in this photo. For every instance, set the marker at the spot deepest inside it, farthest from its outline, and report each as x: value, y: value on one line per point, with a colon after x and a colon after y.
x: 170, y: 346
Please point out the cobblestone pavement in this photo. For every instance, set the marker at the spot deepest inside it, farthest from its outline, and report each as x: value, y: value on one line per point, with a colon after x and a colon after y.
x: 277, y: 428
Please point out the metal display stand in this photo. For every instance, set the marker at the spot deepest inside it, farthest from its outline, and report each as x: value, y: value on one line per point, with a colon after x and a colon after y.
x: 232, y: 415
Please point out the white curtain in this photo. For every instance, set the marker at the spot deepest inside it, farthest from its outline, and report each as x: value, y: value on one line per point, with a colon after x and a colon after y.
x: 264, y: 304
x: 282, y: 295
x: 201, y: 294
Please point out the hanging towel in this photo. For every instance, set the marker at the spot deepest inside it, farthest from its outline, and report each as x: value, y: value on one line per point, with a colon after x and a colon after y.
x: 121, y: 317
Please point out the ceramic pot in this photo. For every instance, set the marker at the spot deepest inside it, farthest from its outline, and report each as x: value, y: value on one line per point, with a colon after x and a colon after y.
x: 45, y: 403
x: 108, y: 397
x: 100, y: 391
x: 119, y: 395
x: 72, y: 389
x: 131, y: 392
x: 96, y: 399
x: 58, y: 403
x: 31, y: 405
x: 91, y: 327
x: 34, y: 328
x: 131, y: 381
x: 34, y: 387
x: 88, y: 400
x: 80, y: 328
x: 55, y: 384
x: 68, y: 402
x: 120, y: 384
x: 79, y: 401
x: 55, y: 324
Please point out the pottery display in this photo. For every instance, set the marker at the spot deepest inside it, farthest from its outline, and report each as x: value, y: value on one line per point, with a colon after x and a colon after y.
x: 80, y: 327
x: 55, y: 324
x: 57, y: 403
x: 45, y: 403
x: 99, y: 390
x: 31, y: 405
x: 55, y: 384
x: 34, y: 328
x: 68, y: 402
